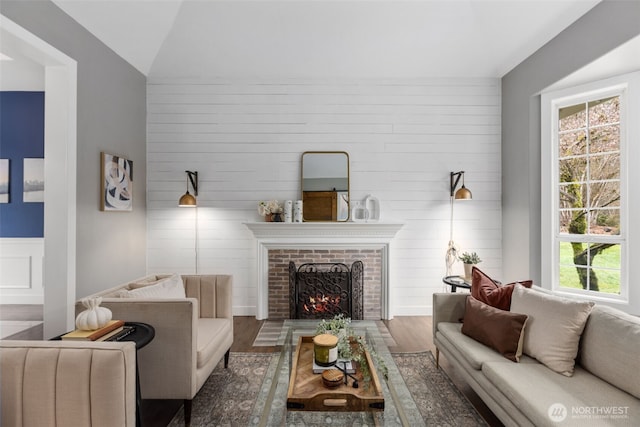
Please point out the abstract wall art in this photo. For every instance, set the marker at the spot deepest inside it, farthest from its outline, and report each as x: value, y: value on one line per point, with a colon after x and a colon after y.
x: 116, y: 188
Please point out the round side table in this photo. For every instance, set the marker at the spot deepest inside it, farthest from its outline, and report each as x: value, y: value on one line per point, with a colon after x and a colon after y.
x: 141, y: 334
x: 456, y: 282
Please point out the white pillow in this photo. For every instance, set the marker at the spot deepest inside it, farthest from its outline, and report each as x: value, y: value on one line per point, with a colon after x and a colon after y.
x: 554, y: 327
x: 170, y: 287
x: 150, y: 280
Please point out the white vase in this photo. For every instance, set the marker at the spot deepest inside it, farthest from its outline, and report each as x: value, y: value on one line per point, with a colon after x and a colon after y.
x: 297, y: 211
x: 467, y: 271
x: 288, y: 211
x: 94, y: 317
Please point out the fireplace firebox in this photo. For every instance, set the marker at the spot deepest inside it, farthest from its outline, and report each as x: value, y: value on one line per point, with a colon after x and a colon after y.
x: 323, y: 290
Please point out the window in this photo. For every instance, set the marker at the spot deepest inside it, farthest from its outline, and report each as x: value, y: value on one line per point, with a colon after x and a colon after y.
x: 585, y: 208
x: 588, y: 190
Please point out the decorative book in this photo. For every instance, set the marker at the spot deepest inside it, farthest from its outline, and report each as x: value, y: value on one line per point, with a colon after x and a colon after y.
x: 80, y: 335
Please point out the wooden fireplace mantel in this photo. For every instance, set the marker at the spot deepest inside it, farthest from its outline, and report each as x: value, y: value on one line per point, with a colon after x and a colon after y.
x: 322, y: 235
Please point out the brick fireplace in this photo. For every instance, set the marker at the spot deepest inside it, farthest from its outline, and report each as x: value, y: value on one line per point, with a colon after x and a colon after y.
x: 279, y: 292
x: 279, y: 243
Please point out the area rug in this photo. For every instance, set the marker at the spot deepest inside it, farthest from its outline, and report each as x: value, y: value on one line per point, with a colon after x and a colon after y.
x: 437, y: 398
x: 229, y: 395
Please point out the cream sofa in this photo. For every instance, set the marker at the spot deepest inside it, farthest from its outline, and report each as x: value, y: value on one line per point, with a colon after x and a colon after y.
x: 604, y: 389
x: 68, y: 383
x: 192, y: 334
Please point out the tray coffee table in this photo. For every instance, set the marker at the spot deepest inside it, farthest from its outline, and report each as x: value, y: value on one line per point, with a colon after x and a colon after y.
x: 307, y: 391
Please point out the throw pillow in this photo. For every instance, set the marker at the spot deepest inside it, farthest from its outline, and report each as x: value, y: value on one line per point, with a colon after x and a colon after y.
x: 487, y: 290
x: 554, y: 328
x: 140, y: 283
x: 170, y: 287
x: 501, y: 330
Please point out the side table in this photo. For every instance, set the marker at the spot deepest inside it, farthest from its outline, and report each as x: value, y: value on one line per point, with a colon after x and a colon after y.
x: 142, y: 335
x: 456, y: 282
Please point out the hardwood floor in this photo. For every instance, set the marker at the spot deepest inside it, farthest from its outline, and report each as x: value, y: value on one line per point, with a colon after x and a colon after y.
x: 411, y: 333
x: 20, y: 312
x: 17, y: 321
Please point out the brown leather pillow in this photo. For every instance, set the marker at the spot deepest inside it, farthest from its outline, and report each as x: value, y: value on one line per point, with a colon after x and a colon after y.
x: 485, y: 289
x: 501, y: 330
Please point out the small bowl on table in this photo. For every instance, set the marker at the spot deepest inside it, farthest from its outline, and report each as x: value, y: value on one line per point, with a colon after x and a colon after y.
x: 332, y: 378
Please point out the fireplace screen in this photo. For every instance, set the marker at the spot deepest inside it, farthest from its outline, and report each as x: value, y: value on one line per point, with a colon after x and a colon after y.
x: 322, y: 290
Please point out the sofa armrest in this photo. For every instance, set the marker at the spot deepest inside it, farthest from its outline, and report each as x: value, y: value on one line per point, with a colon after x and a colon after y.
x: 171, y: 356
x: 447, y: 307
x: 53, y: 383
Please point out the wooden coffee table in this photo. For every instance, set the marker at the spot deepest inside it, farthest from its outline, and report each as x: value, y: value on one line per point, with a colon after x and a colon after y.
x: 307, y: 391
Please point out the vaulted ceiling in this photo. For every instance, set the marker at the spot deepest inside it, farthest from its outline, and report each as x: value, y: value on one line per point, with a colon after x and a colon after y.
x: 325, y: 39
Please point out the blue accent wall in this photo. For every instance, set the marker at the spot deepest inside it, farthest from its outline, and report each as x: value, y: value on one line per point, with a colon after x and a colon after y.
x: 21, y: 136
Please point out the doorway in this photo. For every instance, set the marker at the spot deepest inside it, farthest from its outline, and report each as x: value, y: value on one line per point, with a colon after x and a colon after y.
x: 59, y: 266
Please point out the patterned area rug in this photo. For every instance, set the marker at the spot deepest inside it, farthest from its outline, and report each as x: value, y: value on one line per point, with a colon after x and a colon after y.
x: 229, y: 395
x: 439, y: 401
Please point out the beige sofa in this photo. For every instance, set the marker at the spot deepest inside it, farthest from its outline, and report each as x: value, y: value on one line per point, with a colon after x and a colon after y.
x: 192, y: 334
x: 68, y: 383
x: 604, y: 389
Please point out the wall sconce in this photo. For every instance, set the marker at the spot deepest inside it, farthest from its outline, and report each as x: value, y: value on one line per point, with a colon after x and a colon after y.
x: 188, y: 200
x: 463, y: 193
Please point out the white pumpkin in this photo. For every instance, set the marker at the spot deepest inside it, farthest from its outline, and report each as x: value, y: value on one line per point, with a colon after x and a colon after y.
x: 94, y: 317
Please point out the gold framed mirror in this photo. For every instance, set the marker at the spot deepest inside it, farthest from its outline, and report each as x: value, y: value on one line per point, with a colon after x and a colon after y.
x: 325, y: 186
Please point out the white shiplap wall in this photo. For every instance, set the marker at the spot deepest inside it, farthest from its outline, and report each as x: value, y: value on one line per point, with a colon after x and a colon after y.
x: 245, y: 139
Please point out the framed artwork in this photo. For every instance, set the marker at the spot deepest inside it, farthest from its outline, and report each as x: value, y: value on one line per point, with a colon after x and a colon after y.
x: 33, y: 186
x: 4, y: 180
x: 116, y: 183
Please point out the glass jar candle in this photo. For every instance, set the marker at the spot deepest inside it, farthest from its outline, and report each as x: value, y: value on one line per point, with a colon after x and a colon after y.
x: 325, y: 349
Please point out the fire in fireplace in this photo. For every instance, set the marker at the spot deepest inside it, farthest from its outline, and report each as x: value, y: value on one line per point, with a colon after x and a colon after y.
x: 323, y: 304
x: 323, y: 290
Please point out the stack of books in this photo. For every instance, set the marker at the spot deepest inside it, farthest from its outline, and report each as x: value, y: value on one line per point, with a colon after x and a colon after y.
x: 107, y: 331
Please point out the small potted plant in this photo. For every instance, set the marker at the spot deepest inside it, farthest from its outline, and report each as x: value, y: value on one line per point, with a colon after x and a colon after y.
x: 469, y: 259
x: 350, y: 346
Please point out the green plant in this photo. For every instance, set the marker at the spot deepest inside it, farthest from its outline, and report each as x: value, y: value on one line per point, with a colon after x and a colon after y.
x: 470, y: 258
x: 350, y: 346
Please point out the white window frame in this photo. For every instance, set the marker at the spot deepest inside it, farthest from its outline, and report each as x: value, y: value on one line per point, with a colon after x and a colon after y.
x: 628, y: 88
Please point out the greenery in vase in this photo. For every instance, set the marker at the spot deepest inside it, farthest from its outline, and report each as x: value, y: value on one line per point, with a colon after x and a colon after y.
x: 470, y: 258
x: 350, y: 346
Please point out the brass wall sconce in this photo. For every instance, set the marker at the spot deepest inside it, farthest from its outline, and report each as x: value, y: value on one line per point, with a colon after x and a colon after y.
x: 188, y: 200
x: 463, y: 192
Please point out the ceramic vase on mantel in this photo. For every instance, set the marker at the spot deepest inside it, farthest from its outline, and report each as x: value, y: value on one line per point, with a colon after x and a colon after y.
x: 467, y: 271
